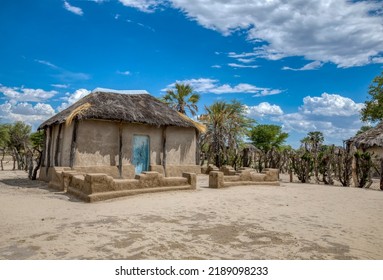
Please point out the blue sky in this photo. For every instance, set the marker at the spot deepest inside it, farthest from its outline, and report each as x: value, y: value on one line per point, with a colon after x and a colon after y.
x: 304, y: 65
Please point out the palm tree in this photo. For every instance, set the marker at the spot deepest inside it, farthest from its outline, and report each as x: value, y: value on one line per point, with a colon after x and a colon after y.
x: 226, y: 126
x: 184, y: 98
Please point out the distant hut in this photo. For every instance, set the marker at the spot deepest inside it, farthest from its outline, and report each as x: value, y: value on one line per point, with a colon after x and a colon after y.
x: 121, y: 133
x: 371, y: 141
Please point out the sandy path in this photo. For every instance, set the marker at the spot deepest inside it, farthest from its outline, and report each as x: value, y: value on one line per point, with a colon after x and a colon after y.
x: 296, y: 221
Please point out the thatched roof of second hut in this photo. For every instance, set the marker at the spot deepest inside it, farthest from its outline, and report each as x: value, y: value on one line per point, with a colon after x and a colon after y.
x: 369, y: 138
x: 132, y: 108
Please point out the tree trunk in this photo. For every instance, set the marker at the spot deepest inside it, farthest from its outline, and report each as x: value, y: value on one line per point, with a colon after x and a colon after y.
x: 381, y: 174
x: 49, y: 148
x: 14, y: 161
x: 120, y: 150
x: 73, y: 144
x: 34, y: 173
x: 245, y: 159
x: 56, y: 157
x: 2, y: 159
x: 164, y: 152
x: 17, y: 160
x: 30, y: 165
x: 198, y: 148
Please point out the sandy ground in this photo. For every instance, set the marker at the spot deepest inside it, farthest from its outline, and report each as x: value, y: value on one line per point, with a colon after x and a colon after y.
x: 294, y: 221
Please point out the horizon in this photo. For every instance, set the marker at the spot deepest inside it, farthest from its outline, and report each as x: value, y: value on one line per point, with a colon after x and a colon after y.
x: 305, y: 66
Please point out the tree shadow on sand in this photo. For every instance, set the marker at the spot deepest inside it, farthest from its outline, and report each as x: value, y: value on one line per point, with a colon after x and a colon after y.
x: 25, y: 183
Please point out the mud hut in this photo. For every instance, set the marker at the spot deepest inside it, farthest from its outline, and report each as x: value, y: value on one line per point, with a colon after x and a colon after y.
x: 122, y: 134
x: 370, y: 140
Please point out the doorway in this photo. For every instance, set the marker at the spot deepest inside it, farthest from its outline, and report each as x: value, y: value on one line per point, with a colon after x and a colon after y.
x: 140, y: 153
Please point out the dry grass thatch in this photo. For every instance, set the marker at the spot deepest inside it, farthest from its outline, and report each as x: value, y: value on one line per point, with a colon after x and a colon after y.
x: 132, y: 108
x: 369, y: 138
x: 77, y: 112
x: 201, y: 127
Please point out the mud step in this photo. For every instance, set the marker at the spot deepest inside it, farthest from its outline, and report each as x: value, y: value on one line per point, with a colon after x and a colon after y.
x: 114, y: 194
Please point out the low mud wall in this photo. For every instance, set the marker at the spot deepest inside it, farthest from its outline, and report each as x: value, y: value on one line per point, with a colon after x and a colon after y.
x: 49, y: 174
x: 245, y: 176
x: 176, y: 170
x: 92, y: 187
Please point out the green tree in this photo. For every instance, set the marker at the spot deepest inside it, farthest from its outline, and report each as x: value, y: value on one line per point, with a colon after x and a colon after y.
x: 37, y: 140
x: 267, y: 136
x: 4, y: 142
x: 19, y: 139
x: 373, y: 109
x: 313, y: 140
x: 269, y: 139
x: 4, y: 135
x: 183, y: 98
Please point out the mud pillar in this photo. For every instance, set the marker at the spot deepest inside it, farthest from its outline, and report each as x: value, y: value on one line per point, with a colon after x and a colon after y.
x: 216, y: 179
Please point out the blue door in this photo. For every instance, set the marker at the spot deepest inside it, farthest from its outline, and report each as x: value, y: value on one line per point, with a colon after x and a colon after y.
x: 141, y: 153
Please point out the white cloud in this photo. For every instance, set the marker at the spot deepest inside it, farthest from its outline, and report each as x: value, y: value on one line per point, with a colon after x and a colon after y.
x: 73, y: 9
x: 346, y: 33
x: 33, y: 115
x: 268, y: 91
x: 240, y: 55
x: 336, y: 116
x: 24, y: 108
x: 47, y: 63
x: 330, y: 105
x: 216, y: 66
x: 263, y: 109
x: 310, y: 66
x: 202, y: 85
x: 26, y: 94
x: 147, y: 6
x: 71, y: 98
x: 243, y: 58
x: 246, y: 60
x: 205, y: 85
x: 125, y: 73
x: 63, y: 74
x: 236, y: 65
x: 59, y: 85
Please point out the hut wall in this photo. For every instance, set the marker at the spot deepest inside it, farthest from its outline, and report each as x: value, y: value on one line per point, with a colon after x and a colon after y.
x: 64, y: 157
x: 97, y: 144
x: 155, y: 141
x: 55, y: 130
x: 50, y: 145
x: 44, y: 163
x: 181, y: 146
x: 378, y: 151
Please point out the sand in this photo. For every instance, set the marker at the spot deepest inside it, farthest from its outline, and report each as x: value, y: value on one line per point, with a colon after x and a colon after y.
x: 293, y: 221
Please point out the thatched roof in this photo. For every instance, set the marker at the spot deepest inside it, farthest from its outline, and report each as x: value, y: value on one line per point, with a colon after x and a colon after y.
x: 369, y: 138
x: 112, y: 106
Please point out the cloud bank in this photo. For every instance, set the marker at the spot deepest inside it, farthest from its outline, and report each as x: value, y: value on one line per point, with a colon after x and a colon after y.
x: 206, y: 85
x: 338, y: 31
